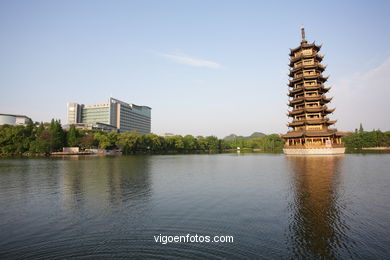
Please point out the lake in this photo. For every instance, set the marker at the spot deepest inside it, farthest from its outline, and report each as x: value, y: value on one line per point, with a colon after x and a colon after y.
x: 273, y: 206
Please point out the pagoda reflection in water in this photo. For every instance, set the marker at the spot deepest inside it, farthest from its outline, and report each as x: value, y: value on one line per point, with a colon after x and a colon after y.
x: 317, y: 228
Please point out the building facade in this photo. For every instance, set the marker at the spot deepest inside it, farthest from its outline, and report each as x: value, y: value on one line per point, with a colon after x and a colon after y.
x: 310, y: 126
x: 9, y: 119
x: 115, y: 113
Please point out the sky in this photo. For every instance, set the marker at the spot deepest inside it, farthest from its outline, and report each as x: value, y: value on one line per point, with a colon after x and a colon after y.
x: 204, y: 67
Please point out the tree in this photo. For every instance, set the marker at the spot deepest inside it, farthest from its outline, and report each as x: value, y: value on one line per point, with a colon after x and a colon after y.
x: 128, y: 142
x: 155, y: 142
x: 57, y: 135
x: 102, y: 140
x: 189, y: 143
x: 202, y: 143
x: 177, y: 142
x: 112, y: 139
x: 213, y: 144
x: 361, y: 130
x: 42, y: 142
x: 72, y: 136
x: 87, y: 141
x: 272, y: 143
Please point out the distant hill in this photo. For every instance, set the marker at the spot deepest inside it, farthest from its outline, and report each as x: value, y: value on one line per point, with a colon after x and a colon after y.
x: 257, y: 135
x: 234, y: 136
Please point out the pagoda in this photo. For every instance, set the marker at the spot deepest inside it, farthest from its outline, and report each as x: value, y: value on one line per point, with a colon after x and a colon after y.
x: 310, y: 126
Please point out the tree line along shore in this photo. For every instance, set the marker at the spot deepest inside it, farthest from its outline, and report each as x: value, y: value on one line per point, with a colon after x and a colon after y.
x: 46, y: 138
x: 362, y: 140
x: 51, y: 137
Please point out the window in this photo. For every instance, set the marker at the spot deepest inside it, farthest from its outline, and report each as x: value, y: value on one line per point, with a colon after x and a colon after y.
x: 308, y: 62
x: 307, y: 52
x: 314, y: 127
x: 299, y: 63
x: 310, y: 82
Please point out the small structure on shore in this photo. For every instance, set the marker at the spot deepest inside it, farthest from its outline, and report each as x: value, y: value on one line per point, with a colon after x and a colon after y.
x: 77, y: 151
x: 72, y: 151
x: 310, y: 132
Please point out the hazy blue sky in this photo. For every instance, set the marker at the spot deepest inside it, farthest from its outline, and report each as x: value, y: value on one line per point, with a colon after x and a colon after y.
x: 205, y: 67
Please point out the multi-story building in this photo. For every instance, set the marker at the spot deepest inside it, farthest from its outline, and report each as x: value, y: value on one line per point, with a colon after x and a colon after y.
x: 8, y: 119
x: 310, y: 127
x: 123, y: 116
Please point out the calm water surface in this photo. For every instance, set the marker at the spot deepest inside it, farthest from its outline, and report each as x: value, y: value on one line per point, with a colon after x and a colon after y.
x: 274, y: 206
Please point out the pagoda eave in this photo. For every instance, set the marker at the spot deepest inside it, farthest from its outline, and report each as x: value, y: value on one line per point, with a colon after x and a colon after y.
x: 317, y: 66
x: 321, y: 98
x: 317, y: 109
x: 312, y: 122
x: 298, y: 90
x: 293, y: 60
x: 298, y: 134
x: 305, y: 46
x: 319, y: 77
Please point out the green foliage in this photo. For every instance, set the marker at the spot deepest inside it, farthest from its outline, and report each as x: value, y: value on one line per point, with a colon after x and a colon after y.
x: 268, y: 143
x: 361, y: 130
x: 57, y: 140
x: 177, y: 142
x: 14, y: 139
x: 87, y: 140
x: 202, y: 143
x: 189, y: 143
x: 49, y: 137
x: 361, y: 139
x: 128, y: 142
x: 102, y: 140
x: 112, y: 139
x: 253, y: 135
x: 213, y: 143
x: 72, y: 136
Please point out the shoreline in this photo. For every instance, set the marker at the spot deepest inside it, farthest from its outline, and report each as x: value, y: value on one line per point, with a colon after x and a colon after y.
x: 378, y: 150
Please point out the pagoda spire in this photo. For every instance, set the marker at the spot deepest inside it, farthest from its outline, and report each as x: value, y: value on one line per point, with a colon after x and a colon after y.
x: 303, y: 34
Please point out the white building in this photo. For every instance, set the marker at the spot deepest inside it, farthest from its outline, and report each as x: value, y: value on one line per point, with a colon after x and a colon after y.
x: 8, y: 119
x: 123, y: 116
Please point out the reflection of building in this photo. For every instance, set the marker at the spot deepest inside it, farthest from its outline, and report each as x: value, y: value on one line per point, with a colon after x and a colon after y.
x: 317, y: 228
x: 115, y: 113
x: 310, y: 132
x: 8, y: 119
x: 101, y: 183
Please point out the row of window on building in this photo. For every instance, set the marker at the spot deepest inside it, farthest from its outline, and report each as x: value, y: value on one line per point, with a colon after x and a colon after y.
x: 115, y: 115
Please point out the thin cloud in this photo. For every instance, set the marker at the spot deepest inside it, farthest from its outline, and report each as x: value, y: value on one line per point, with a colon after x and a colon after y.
x: 364, y: 98
x: 191, y: 61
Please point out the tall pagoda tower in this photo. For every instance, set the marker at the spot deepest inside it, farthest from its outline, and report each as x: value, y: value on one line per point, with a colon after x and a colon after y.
x: 311, y: 131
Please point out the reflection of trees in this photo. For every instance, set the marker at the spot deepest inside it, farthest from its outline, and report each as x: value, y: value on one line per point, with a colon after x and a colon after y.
x: 317, y: 227
x: 104, y: 182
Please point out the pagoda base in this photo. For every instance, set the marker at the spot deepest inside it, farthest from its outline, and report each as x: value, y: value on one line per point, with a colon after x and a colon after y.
x: 314, y: 151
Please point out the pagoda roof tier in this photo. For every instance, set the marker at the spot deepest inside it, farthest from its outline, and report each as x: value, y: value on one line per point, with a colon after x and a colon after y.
x: 315, y: 65
x: 291, y: 73
x: 316, y: 76
x: 301, y: 79
x: 311, y: 98
x: 305, y: 45
x: 312, y: 122
x: 298, y: 90
x: 309, y: 133
x: 317, y: 56
x: 295, y: 134
x: 323, y: 109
